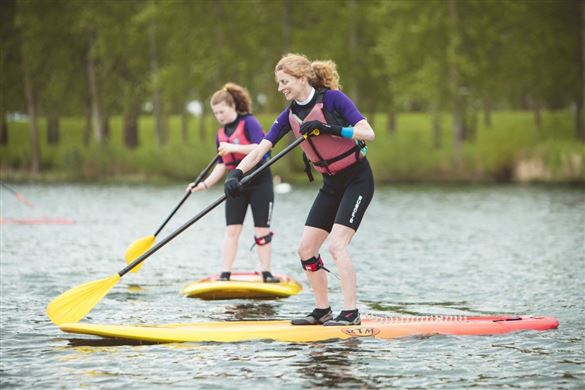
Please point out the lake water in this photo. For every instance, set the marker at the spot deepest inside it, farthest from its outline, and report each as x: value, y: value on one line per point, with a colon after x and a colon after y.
x: 420, y: 250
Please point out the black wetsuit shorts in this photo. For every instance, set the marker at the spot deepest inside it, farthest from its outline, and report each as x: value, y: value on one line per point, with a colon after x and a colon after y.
x: 259, y: 194
x: 343, y: 198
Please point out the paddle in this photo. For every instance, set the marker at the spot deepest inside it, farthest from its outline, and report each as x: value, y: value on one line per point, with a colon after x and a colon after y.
x: 18, y: 195
x: 74, y: 304
x: 141, y: 245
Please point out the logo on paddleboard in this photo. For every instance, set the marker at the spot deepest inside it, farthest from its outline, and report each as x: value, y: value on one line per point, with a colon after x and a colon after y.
x: 361, y: 332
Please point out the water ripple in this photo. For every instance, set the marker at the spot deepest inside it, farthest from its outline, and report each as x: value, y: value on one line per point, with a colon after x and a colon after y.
x: 420, y: 251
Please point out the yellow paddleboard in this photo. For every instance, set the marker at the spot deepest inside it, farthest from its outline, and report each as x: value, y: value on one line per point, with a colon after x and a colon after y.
x: 378, y: 327
x: 242, y: 285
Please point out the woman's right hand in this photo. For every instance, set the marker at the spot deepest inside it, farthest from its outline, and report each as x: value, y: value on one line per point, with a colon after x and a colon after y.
x: 196, y: 188
x: 225, y: 148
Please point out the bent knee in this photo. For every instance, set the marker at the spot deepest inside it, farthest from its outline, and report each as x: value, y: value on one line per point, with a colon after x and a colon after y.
x: 337, y: 249
x: 306, y: 251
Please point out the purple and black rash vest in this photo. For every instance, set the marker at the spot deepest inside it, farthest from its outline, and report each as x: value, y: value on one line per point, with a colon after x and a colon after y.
x: 252, y: 129
x: 333, y: 101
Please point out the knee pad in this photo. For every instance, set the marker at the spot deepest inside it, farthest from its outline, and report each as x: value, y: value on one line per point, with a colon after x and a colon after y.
x: 313, y: 264
x: 267, y: 239
x: 260, y: 241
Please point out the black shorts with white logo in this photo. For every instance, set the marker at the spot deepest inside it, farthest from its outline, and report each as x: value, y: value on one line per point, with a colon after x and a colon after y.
x: 259, y: 195
x: 343, y: 198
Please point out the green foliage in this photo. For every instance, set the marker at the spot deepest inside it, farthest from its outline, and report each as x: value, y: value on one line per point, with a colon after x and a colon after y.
x: 460, y: 57
x: 405, y: 156
x: 503, y: 49
x: 175, y: 160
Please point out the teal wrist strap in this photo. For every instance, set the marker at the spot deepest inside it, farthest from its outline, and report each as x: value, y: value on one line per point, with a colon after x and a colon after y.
x: 347, y: 132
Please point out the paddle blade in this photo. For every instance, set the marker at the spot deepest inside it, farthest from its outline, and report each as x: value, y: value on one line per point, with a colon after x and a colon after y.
x: 23, y: 200
x: 137, y: 249
x: 73, y: 305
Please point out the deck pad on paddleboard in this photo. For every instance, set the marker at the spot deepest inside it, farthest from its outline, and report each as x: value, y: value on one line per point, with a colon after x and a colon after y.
x: 242, y: 285
x: 372, y: 326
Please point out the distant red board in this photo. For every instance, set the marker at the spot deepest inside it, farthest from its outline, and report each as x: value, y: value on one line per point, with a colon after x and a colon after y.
x: 36, y: 221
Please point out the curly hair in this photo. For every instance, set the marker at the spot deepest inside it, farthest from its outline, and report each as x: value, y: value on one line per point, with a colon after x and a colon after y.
x: 318, y: 73
x: 233, y: 95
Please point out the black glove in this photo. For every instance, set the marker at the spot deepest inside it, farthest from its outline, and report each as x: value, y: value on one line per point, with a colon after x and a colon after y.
x: 232, y: 186
x: 323, y: 128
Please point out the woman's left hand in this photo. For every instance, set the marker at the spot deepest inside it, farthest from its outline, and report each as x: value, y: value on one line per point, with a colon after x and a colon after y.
x: 232, y: 186
x: 323, y: 128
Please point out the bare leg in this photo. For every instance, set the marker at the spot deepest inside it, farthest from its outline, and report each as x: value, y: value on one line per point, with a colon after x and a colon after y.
x: 340, y: 238
x: 264, y: 251
x: 230, y: 245
x: 310, y: 245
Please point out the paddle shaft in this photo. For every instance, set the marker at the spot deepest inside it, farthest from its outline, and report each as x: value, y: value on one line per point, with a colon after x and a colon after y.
x: 199, y: 178
x: 9, y: 188
x: 18, y: 195
x: 213, y: 205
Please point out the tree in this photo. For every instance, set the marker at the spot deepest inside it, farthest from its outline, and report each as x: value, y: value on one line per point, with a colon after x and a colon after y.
x: 92, y: 19
x: 119, y: 63
x: 12, y: 96
x: 30, y: 34
x: 412, y: 46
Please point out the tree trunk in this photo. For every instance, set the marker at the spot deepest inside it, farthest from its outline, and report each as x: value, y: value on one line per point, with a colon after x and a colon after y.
x: 202, y: 127
x: 390, y: 106
x: 580, y: 114
x: 131, y: 130
x: 219, y: 42
x: 131, y: 122
x: 30, y: 94
x: 579, y: 120
x: 391, y: 120
x: 285, y: 26
x: 436, y: 116
x: 471, y: 124
x: 465, y: 118
x: 159, y: 129
x: 453, y: 48
x: 536, y: 112
x: 458, y: 129
x: 87, y: 125
x: 353, y: 46
x: 185, y: 127
x: 3, y: 129
x: 53, y: 129
x: 487, y: 112
x: 285, y: 33
x: 97, y: 121
x: 105, y: 126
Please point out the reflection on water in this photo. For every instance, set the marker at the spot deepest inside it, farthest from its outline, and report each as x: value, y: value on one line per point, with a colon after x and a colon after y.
x: 80, y: 343
x: 135, y: 288
x: 330, y: 366
x: 249, y: 311
x: 420, y: 251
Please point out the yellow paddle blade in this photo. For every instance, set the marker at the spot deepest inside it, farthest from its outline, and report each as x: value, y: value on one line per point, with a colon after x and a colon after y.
x: 137, y: 249
x: 73, y: 305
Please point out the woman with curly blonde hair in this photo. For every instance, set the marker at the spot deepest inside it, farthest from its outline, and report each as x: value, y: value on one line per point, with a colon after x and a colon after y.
x: 338, y: 153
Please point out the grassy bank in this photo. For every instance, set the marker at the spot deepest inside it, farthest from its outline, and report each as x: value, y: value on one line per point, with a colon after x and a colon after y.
x: 511, y: 150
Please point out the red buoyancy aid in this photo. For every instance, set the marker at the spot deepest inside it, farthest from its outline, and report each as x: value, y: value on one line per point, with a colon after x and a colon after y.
x: 329, y: 154
x: 231, y: 160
